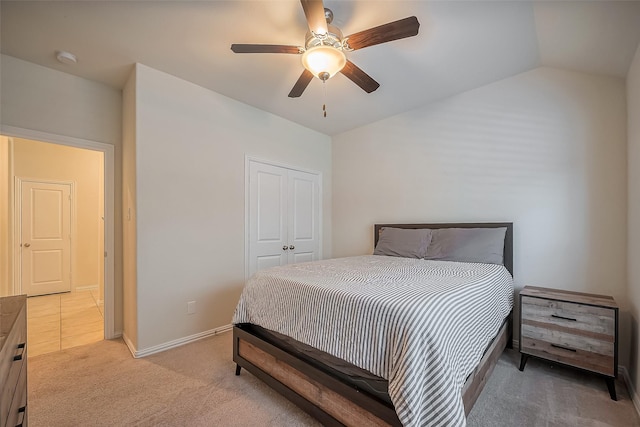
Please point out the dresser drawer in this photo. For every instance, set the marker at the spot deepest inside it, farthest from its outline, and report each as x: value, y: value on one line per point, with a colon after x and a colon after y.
x: 10, y: 388
x: 15, y: 337
x: 597, y: 322
x: 17, y: 415
x: 12, y: 359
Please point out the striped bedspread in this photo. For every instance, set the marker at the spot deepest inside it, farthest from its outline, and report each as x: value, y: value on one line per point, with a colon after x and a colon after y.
x: 422, y: 325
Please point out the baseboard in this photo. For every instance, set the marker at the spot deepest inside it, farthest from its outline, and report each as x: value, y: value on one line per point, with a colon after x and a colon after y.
x: 175, y: 343
x: 129, y: 344
x: 630, y: 388
x: 86, y: 288
x: 515, y: 344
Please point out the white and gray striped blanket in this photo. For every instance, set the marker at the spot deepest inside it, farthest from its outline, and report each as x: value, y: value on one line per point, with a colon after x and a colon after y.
x: 422, y: 325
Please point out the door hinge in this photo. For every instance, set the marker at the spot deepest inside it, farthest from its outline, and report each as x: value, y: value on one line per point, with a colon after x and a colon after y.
x: 105, y: 254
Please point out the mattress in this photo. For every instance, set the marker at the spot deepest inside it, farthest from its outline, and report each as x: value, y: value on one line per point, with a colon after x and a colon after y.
x: 421, y: 325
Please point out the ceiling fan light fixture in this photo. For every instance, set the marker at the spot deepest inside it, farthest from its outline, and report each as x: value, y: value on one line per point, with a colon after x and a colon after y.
x: 324, y: 59
x: 323, y: 54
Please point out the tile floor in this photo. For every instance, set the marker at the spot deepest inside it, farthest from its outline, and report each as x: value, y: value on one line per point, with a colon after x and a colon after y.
x: 60, y: 321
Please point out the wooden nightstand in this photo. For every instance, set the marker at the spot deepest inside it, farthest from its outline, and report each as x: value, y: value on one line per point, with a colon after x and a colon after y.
x: 572, y: 328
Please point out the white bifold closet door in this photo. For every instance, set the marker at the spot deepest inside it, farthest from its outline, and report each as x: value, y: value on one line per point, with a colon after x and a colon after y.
x: 284, y: 216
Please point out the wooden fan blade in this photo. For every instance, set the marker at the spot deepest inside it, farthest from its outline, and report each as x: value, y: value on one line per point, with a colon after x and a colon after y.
x: 301, y: 84
x: 264, y: 48
x: 314, y: 11
x: 407, y: 27
x: 359, y: 77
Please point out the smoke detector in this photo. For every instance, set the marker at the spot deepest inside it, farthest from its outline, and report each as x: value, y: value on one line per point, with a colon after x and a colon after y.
x: 66, y: 57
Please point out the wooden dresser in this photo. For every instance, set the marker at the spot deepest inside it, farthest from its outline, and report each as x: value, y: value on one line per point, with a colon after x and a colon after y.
x: 572, y: 328
x: 13, y: 361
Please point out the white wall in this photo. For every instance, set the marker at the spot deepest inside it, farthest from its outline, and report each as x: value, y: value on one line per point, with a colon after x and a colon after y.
x: 129, y: 284
x: 6, y: 260
x: 191, y: 145
x: 633, y: 156
x: 545, y: 149
x: 41, y: 99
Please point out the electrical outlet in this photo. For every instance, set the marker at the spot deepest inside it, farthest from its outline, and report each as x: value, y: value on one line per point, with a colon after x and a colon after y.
x: 191, y: 307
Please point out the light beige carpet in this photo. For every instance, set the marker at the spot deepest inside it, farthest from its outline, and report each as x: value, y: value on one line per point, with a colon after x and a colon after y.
x: 102, y: 385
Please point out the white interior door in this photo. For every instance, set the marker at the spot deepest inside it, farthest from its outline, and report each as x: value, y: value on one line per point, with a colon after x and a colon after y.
x: 284, y: 216
x: 45, y: 235
x: 304, y: 212
x: 267, y: 216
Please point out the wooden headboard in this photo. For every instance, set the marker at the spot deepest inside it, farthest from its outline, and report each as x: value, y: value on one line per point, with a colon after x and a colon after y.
x: 508, y: 238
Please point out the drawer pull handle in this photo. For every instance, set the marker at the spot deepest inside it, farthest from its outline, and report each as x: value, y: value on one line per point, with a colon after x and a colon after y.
x: 19, y: 356
x: 563, y: 348
x: 565, y: 318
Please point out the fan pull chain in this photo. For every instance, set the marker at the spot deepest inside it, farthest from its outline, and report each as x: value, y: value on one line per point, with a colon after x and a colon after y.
x: 324, y: 98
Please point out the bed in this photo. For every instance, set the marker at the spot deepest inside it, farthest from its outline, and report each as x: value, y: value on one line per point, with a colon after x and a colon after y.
x: 382, y: 349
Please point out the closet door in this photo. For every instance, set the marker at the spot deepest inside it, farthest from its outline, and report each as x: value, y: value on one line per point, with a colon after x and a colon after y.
x: 284, y: 216
x: 304, y: 212
x: 268, y: 188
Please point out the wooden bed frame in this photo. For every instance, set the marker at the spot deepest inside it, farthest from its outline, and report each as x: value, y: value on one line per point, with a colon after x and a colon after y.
x: 334, y: 402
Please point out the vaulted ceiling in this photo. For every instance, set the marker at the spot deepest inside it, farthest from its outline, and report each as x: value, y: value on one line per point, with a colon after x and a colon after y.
x: 461, y: 45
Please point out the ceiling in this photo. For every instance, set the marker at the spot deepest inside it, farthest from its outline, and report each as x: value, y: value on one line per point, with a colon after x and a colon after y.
x: 461, y: 45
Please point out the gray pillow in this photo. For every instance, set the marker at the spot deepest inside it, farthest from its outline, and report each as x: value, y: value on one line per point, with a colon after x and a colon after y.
x: 401, y: 242
x: 484, y: 245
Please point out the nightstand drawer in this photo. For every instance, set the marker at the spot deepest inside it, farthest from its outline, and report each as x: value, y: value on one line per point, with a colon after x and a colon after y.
x: 598, y: 322
x: 562, y: 339
x: 574, y: 357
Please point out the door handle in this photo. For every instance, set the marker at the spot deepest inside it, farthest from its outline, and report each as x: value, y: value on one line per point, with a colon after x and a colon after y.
x: 26, y: 245
x: 292, y: 247
x: 285, y: 247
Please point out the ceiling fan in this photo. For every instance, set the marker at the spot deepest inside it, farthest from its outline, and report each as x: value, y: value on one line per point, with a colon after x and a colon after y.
x: 323, y: 54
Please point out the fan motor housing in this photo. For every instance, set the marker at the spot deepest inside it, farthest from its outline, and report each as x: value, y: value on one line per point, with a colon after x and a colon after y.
x: 333, y: 37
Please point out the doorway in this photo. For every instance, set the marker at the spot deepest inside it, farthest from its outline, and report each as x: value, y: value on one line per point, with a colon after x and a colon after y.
x: 88, y: 298
x: 59, y: 222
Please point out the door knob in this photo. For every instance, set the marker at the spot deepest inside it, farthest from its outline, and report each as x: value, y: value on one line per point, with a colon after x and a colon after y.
x: 284, y: 248
x: 292, y: 247
x: 26, y: 245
